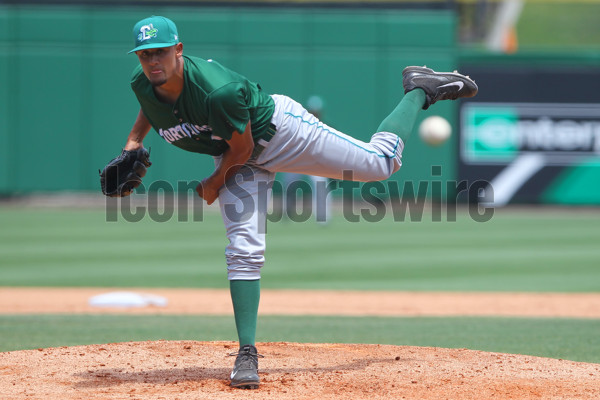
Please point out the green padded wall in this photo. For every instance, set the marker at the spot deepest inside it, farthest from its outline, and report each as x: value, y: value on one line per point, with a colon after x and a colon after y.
x: 67, y: 107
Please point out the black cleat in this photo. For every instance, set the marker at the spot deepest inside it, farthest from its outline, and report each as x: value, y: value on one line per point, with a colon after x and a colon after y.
x: 245, y: 369
x: 438, y: 85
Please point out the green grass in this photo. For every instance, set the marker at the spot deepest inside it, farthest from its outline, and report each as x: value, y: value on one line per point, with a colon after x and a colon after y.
x: 535, y: 250
x: 538, y: 251
x: 573, y: 339
x: 569, y: 24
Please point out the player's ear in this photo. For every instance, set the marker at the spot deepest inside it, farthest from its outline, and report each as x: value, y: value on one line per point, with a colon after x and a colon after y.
x: 179, y: 49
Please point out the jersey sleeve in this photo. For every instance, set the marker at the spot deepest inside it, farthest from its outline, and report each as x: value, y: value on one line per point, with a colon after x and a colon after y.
x: 228, y: 110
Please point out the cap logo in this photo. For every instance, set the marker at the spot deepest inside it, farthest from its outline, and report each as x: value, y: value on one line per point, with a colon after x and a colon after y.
x: 147, y: 32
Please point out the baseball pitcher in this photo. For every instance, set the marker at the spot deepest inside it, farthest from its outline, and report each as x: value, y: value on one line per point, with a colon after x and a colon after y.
x: 201, y: 106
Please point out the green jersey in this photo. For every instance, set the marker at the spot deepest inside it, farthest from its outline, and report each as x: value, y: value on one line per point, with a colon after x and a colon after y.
x: 214, y: 103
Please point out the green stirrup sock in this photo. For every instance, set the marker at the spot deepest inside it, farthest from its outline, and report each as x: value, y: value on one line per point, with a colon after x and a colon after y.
x: 245, y: 296
x: 402, y: 120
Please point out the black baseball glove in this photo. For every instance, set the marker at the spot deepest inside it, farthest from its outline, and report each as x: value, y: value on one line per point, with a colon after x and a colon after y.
x: 124, y: 173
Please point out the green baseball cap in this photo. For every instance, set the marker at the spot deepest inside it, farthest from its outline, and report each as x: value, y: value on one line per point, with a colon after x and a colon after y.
x: 154, y: 32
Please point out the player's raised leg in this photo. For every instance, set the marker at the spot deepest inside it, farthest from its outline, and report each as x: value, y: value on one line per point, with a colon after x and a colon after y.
x: 304, y: 144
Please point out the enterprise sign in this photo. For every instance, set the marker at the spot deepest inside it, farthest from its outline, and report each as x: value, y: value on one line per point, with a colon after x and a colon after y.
x: 497, y: 133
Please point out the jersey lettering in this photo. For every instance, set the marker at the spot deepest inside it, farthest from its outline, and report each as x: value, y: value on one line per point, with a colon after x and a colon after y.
x: 166, y: 135
x: 184, y: 130
x: 174, y: 132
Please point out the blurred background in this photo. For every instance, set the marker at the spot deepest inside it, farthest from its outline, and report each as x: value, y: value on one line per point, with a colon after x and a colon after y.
x: 533, y: 131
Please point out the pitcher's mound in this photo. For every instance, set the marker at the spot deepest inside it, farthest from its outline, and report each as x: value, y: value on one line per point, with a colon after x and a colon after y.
x: 200, y: 370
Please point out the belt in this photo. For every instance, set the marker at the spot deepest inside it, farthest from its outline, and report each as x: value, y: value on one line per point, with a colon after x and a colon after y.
x: 262, y: 142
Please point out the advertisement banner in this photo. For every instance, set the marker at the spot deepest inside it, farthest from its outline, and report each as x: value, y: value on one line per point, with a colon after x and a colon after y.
x: 537, y: 151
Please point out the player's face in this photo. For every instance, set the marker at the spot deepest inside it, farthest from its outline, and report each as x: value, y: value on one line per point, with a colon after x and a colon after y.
x: 160, y: 64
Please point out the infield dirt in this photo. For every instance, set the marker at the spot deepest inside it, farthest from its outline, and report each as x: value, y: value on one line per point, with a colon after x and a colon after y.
x: 199, y: 370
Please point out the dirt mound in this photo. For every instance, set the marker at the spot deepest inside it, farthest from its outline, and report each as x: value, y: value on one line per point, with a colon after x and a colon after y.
x: 199, y: 370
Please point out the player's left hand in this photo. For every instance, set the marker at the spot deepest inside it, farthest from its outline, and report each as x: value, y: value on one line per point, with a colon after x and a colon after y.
x: 207, y: 191
x: 125, y: 172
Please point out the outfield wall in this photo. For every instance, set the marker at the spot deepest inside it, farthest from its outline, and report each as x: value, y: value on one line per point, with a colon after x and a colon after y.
x: 67, y: 106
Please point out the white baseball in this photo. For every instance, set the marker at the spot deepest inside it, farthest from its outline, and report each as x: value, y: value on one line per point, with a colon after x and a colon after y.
x: 435, y: 130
